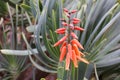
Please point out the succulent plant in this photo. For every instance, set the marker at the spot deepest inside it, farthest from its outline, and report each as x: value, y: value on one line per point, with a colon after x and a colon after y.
x: 100, y: 38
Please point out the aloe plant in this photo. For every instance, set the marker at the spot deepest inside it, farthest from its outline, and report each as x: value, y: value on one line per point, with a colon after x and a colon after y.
x: 96, y: 39
x: 11, y: 65
x: 101, y: 37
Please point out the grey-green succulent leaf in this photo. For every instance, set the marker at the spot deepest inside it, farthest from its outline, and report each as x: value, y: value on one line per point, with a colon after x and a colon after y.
x: 18, y: 52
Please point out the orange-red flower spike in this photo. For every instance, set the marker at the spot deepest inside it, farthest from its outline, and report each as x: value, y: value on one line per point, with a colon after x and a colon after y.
x: 67, y: 61
x: 60, y: 41
x: 74, y: 59
x: 73, y: 35
x: 74, y: 41
x: 70, y: 49
x: 78, y: 28
x: 63, y: 53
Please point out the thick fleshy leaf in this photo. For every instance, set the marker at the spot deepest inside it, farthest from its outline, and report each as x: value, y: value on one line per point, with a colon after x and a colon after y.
x: 44, y: 58
x: 99, y: 23
x: 17, y: 52
x: 45, y: 69
x: 109, y: 62
x: 41, y: 22
x: 15, y: 1
x: 109, y: 46
x: 109, y: 25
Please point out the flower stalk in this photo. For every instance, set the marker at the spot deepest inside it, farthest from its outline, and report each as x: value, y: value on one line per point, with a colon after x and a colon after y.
x: 70, y: 46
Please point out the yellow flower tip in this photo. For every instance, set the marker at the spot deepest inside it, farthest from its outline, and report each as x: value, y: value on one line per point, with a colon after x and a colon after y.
x: 82, y: 48
x: 74, y: 59
x: 82, y: 54
x: 82, y: 60
x: 67, y: 69
x: 67, y: 62
x: 76, y: 66
x: 75, y: 41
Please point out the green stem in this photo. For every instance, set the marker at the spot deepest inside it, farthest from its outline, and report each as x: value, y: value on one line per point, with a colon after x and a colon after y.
x: 69, y: 74
x: 68, y: 29
x: 76, y: 74
x: 69, y: 39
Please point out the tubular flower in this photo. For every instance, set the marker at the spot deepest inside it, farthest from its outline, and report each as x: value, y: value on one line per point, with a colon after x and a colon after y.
x: 65, y: 10
x: 73, y: 11
x: 75, y: 22
x: 78, y: 28
x: 74, y: 58
x: 69, y: 45
x: 63, y: 52
x: 75, y: 41
x: 74, y: 35
x: 75, y: 48
x: 60, y: 31
x: 60, y: 41
x: 67, y: 61
x: 76, y: 19
x: 64, y: 44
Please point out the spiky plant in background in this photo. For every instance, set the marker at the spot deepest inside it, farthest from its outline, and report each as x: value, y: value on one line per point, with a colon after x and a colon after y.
x: 10, y: 65
x: 100, y: 38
